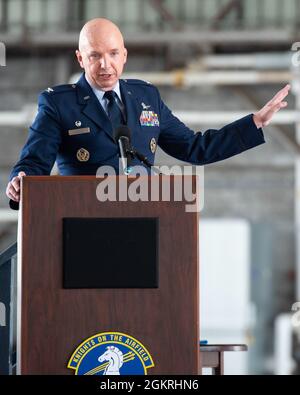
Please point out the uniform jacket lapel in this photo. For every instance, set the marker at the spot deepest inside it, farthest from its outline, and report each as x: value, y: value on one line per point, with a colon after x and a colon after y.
x: 91, y: 106
x: 131, y: 103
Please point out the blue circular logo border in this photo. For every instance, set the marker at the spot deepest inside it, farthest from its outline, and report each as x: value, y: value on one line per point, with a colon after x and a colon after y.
x: 74, y: 363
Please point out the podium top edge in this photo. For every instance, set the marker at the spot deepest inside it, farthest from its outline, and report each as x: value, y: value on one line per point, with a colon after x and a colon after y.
x: 89, y: 178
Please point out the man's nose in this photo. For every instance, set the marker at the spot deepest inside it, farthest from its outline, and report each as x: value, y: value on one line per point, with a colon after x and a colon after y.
x: 104, y: 62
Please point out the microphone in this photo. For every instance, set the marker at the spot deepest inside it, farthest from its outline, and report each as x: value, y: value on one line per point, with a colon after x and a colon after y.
x: 122, y: 137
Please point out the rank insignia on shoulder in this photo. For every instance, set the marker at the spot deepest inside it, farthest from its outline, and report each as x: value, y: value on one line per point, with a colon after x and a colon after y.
x: 49, y: 90
x: 149, y: 118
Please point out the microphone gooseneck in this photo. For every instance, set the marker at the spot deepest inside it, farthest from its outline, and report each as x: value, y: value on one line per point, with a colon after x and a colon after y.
x: 122, y: 137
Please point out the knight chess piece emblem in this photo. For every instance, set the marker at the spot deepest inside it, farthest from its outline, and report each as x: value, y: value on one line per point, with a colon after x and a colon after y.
x: 111, y: 353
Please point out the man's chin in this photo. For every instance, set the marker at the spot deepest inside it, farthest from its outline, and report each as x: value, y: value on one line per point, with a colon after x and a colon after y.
x: 107, y: 83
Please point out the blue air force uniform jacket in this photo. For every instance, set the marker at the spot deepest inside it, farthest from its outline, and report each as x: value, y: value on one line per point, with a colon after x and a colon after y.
x: 72, y: 128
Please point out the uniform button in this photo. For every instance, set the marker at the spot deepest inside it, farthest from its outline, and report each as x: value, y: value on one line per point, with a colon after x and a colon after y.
x: 153, y: 145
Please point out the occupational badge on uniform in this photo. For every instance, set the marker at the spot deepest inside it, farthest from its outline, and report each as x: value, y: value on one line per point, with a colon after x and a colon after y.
x: 78, y: 124
x: 153, y: 145
x: 111, y: 353
x: 83, y: 155
x: 145, y: 107
x: 149, y: 118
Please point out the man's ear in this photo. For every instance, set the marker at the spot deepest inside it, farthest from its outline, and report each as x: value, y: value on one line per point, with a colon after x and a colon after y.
x: 79, y: 58
x: 125, y: 55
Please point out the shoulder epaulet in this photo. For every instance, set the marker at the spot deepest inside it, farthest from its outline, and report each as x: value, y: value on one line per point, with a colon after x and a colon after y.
x: 60, y: 88
x: 138, y: 82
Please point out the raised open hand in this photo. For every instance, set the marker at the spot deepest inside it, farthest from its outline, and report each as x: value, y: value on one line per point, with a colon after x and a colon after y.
x: 264, y: 116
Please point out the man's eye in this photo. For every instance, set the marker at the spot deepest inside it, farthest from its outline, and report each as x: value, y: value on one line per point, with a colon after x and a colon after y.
x: 94, y: 56
x: 114, y: 53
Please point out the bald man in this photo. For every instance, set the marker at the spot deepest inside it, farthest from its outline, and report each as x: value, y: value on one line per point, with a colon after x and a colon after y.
x: 75, y: 123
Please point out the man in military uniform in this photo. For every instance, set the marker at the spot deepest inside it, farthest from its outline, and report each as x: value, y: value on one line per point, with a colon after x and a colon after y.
x: 75, y: 123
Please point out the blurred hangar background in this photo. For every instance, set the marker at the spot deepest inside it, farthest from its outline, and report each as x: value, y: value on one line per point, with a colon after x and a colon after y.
x: 213, y: 61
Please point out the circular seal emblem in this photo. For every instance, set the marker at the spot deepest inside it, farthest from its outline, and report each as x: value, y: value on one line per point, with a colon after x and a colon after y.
x: 153, y: 145
x: 83, y: 155
x: 111, y: 353
x: 78, y: 123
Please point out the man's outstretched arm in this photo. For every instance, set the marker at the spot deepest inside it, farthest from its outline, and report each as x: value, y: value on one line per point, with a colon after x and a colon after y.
x: 177, y: 140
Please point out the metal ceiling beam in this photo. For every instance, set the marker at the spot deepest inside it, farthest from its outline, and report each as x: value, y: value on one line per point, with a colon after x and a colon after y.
x: 166, y: 14
x: 160, y: 39
x: 232, y: 5
x: 24, y: 117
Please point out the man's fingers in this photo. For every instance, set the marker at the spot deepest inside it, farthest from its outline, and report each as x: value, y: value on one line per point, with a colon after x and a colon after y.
x: 268, y: 114
x: 15, y: 182
x: 13, y: 187
x: 280, y: 95
x: 277, y: 100
x: 12, y: 193
x: 10, y: 189
x: 279, y: 106
x: 283, y: 91
x: 14, y: 197
x: 266, y: 123
x: 265, y: 115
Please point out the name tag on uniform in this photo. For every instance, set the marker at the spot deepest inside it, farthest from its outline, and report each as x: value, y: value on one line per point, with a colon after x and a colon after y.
x: 73, y: 132
x: 149, y: 118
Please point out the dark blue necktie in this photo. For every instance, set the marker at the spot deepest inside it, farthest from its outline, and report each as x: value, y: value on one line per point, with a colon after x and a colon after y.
x: 114, y: 112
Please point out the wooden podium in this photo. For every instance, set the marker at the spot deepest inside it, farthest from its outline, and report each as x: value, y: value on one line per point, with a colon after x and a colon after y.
x: 53, y: 321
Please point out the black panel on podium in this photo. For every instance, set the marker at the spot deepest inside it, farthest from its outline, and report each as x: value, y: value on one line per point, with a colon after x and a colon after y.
x: 110, y: 252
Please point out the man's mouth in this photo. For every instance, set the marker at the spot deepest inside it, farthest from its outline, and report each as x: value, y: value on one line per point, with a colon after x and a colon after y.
x: 105, y: 76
